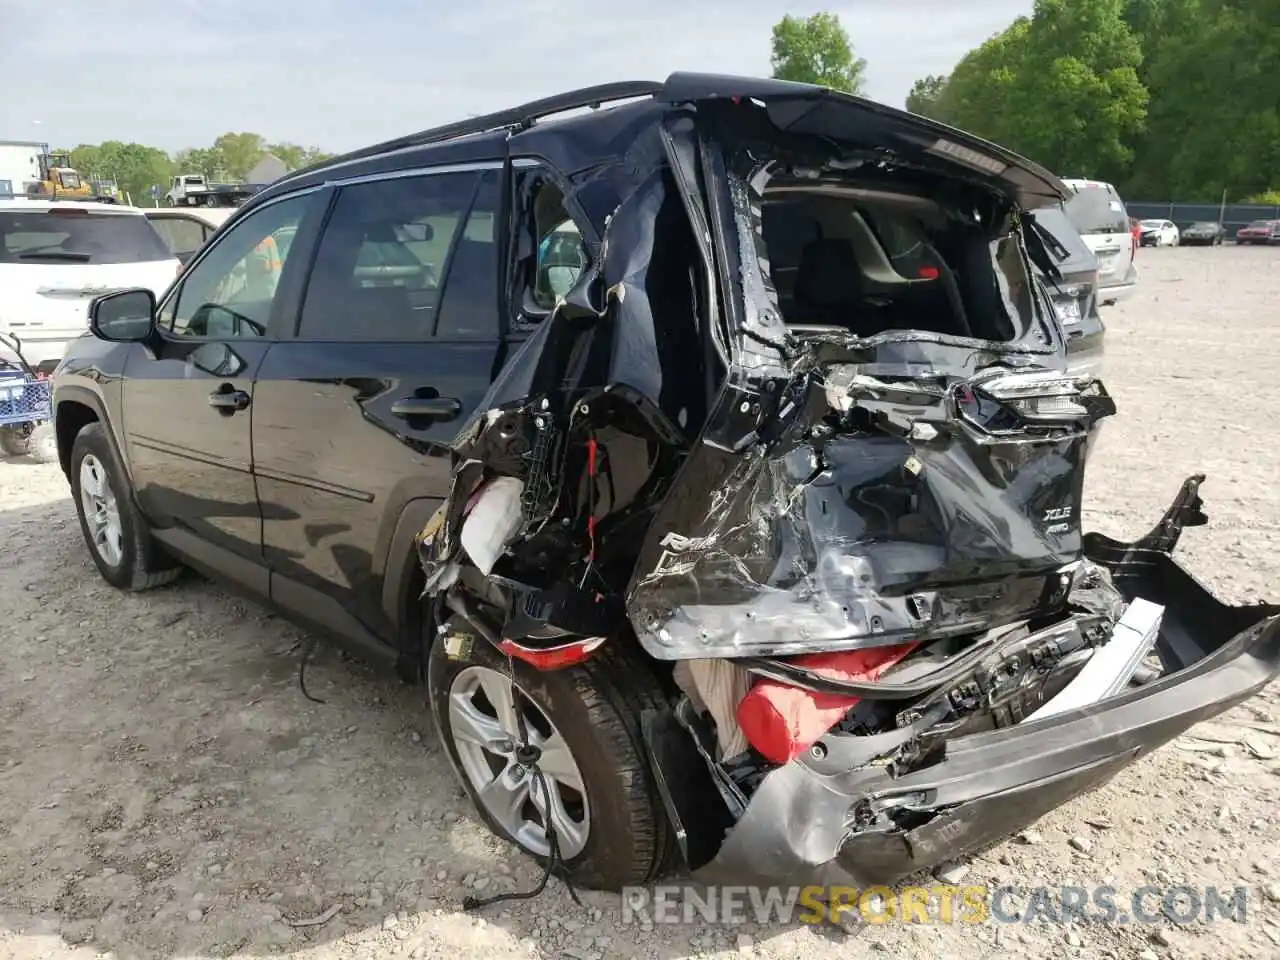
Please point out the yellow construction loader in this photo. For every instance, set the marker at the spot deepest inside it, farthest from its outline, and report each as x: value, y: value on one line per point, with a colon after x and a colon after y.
x: 60, y: 181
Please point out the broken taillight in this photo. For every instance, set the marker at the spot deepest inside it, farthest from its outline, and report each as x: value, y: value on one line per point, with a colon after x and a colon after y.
x: 553, y: 658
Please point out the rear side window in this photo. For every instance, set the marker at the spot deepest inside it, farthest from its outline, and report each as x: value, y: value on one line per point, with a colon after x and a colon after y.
x: 78, y: 236
x: 182, y: 234
x: 386, y: 252
x: 1094, y: 210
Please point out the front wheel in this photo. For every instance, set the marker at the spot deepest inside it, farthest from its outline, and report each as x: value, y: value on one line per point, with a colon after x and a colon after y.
x: 115, y: 532
x: 583, y: 724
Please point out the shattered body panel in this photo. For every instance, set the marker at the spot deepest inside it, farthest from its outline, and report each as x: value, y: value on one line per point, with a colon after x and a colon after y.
x: 924, y: 521
x: 735, y: 467
x: 837, y: 818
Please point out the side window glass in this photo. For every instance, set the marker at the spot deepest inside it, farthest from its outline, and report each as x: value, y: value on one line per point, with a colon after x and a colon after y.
x: 380, y: 265
x: 469, y: 307
x: 562, y: 253
x: 180, y: 234
x: 230, y: 293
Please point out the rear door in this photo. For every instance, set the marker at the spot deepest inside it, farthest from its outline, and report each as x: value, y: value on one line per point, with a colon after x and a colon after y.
x: 396, y: 344
x: 1098, y: 214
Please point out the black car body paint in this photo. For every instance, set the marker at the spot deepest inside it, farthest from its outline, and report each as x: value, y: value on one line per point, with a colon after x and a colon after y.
x: 704, y: 475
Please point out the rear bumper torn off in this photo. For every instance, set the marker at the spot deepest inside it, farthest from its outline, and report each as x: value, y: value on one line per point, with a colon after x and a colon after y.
x: 850, y: 822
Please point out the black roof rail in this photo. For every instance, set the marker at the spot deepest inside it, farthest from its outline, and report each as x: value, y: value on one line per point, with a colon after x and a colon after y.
x: 523, y: 116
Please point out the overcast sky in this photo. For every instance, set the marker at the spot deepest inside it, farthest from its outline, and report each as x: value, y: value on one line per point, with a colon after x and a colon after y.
x: 176, y: 73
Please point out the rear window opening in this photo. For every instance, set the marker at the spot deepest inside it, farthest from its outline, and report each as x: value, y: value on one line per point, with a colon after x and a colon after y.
x: 871, y: 258
x: 78, y: 236
x: 1094, y: 211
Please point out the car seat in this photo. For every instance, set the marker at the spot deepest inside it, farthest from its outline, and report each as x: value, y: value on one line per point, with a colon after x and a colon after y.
x: 829, y: 289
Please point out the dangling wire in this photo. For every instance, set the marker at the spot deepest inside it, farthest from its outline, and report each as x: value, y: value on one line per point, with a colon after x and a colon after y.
x: 307, y: 651
x: 555, y: 863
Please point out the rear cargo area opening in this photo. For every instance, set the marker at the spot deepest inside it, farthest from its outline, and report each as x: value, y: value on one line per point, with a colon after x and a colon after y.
x: 868, y: 258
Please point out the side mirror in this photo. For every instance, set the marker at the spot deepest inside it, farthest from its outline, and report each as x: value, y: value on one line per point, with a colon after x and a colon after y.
x: 531, y: 309
x: 125, y: 316
x: 421, y: 232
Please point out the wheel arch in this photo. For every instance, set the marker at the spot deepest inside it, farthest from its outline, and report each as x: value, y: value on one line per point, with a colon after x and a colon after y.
x: 74, y: 409
x: 403, y: 582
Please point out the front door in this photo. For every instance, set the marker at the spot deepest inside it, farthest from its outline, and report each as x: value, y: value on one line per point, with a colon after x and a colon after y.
x: 397, y: 341
x: 189, y: 403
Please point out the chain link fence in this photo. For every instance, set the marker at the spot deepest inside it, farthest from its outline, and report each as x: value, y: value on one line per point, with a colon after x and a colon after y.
x: 1233, y: 216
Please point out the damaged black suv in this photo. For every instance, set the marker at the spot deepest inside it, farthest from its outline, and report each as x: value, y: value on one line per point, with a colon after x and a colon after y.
x: 708, y: 449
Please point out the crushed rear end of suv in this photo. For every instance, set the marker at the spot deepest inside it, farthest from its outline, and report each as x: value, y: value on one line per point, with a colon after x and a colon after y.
x: 790, y: 480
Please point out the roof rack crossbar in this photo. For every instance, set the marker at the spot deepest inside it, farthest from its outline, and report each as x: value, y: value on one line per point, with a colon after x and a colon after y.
x: 523, y: 116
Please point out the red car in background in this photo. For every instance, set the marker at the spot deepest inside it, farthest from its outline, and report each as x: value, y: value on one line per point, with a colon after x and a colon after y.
x: 1260, y: 231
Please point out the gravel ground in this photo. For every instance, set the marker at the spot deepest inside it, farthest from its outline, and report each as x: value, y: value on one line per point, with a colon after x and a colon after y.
x: 166, y: 791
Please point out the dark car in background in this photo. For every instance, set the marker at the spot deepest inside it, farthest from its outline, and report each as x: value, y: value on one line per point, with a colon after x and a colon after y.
x: 1260, y: 231
x: 1205, y: 233
x: 1075, y: 290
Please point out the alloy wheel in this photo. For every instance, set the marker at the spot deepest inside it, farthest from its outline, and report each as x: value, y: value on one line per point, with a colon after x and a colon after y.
x: 101, y: 512
x: 484, y: 706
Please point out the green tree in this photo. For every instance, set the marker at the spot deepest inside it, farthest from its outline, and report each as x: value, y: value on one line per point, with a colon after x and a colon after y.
x: 315, y: 155
x: 975, y: 96
x: 239, y: 153
x: 290, y: 154
x: 1061, y: 87
x: 205, y: 160
x: 134, y: 167
x: 923, y: 98
x: 1215, y: 115
x: 816, y: 50
x: 295, y: 157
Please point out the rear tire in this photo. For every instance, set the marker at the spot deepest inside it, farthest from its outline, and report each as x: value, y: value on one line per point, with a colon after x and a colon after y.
x: 116, y: 533
x: 596, y: 708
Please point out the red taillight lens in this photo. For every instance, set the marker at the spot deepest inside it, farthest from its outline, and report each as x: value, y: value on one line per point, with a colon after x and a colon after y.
x: 929, y: 273
x: 554, y: 658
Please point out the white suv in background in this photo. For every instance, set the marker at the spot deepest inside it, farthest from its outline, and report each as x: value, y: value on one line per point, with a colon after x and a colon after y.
x: 57, y: 255
x: 1099, y: 215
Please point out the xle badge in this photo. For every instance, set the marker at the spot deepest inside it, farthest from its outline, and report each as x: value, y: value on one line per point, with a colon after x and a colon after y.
x: 1056, y: 520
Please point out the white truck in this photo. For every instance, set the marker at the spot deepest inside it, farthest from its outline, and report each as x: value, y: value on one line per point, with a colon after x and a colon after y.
x: 20, y: 165
x: 195, y: 190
